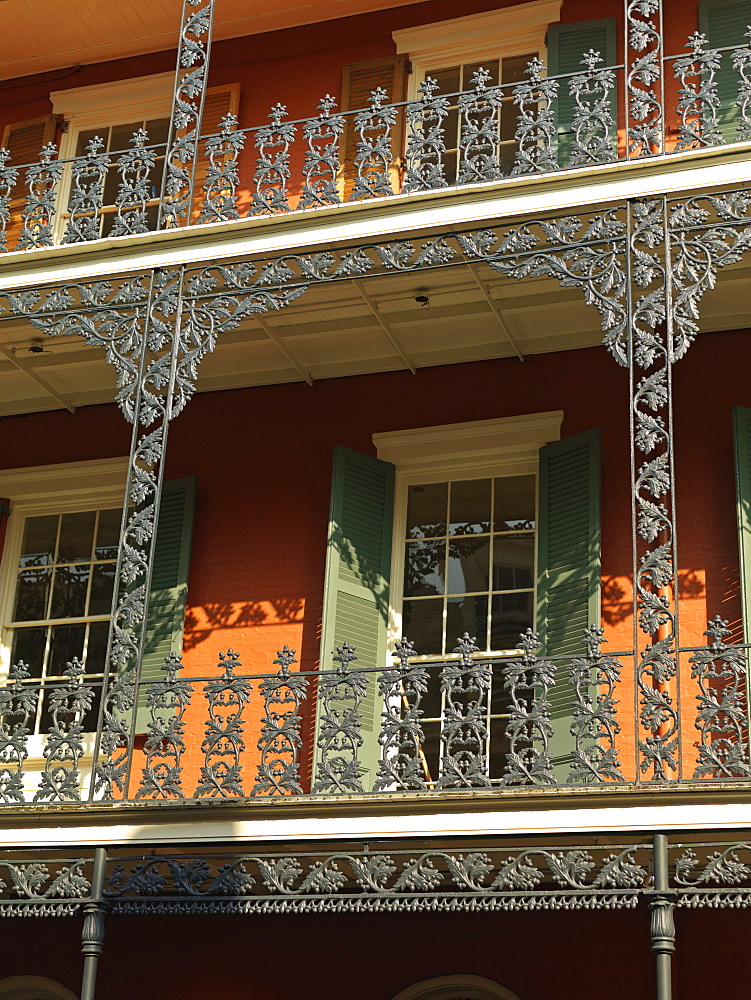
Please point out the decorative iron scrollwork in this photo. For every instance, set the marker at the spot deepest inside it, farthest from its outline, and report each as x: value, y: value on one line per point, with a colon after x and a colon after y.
x: 222, y: 176
x: 42, y: 180
x: 67, y: 704
x: 464, y: 733
x: 134, y: 190
x: 8, y: 178
x: 594, y: 726
x: 402, y: 688
x: 167, y: 701
x: 426, y: 146
x: 528, y: 681
x: 321, y: 168
x: 272, y: 168
x: 340, y: 693
x: 699, y: 101
x: 593, y: 139
x: 18, y: 703
x: 479, y: 138
x: 223, y: 744
x: 644, y: 79
x: 88, y: 174
x: 280, y: 740
x: 535, y: 126
x: 372, y: 163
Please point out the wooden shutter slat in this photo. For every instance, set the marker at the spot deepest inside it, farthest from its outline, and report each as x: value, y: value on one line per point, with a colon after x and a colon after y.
x: 568, y: 584
x: 169, y: 584
x: 358, y: 567
x: 24, y: 140
x: 567, y: 43
x: 358, y: 81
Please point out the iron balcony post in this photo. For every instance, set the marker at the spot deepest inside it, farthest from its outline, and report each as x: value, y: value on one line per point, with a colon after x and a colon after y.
x: 662, y: 925
x: 92, y: 935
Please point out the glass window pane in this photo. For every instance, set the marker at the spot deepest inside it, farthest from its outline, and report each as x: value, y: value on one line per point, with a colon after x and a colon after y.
x: 158, y: 129
x: 108, y: 534
x: 514, y: 68
x: 29, y: 645
x: 102, y: 582
x: 499, y: 748
x: 468, y: 565
x: 514, y: 503
x: 69, y: 592
x: 466, y: 614
x: 39, y: 538
x: 449, y: 80
x: 424, y: 568
x: 422, y: 623
x: 96, y: 648
x: 76, y: 536
x: 85, y: 137
x: 66, y: 642
x: 32, y: 594
x: 513, y: 562
x: 432, y: 699
x: 431, y: 749
x: 426, y: 510
x: 121, y: 136
x: 511, y: 615
x: 470, y: 507
x: 111, y: 183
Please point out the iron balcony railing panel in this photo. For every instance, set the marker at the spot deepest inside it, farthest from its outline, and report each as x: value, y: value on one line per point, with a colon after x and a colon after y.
x: 488, y: 133
x: 470, y: 721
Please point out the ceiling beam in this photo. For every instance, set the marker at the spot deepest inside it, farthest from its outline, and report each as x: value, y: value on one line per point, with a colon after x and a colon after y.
x: 496, y: 312
x: 28, y: 369
x: 393, y: 340
x: 276, y: 339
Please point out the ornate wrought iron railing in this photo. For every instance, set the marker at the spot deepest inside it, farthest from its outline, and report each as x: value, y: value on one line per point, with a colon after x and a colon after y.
x: 420, y: 725
x: 486, y: 134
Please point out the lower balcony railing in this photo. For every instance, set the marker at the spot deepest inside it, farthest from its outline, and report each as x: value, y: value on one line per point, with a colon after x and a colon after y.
x: 490, y: 132
x: 469, y: 721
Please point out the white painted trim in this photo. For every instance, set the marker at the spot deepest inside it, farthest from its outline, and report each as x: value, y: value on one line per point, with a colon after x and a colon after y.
x: 69, y: 477
x: 511, y: 31
x: 501, y: 446
x: 514, y: 198
x: 469, y: 987
x: 467, y: 444
x: 648, y: 816
x: 33, y: 988
x: 116, y: 102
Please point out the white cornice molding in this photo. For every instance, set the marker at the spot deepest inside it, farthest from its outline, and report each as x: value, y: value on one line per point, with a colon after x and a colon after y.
x: 37, y: 481
x: 477, y: 441
x: 142, y: 96
x: 511, y: 31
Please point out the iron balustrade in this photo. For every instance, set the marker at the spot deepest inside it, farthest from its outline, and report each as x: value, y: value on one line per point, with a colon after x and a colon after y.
x: 496, y: 721
x: 505, y: 131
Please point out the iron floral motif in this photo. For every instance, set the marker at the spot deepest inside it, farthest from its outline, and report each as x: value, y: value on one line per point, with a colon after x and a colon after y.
x: 722, y: 720
x: 402, y: 688
x: 67, y: 704
x: 135, y: 167
x: 374, y: 127
x: 280, y: 740
x: 528, y: 681
x: 321, y: 168
x: 593, y: 139
x: 644, y: 80
x: 699, y: 100
x: 464, y: 732
x: 223, y: 744
x: 272, y: 167
x: 536, y: 122
x: 341, y: 693
x: 167, y: 700
x: 426, y: 146
x: 18, y: 703
x: 222, y: 176
x: 8, y: 178
x: 38, y: 215
x: 88, y: 174
x: 595, y: 678
x: 479, y: 150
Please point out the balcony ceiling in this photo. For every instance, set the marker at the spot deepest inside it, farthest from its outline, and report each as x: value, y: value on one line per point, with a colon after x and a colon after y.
x: 334, y: 331
x: 42, y: 35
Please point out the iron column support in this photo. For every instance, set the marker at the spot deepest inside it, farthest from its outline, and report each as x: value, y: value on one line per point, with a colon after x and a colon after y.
x: 92, y: 935
x: 662, y: 925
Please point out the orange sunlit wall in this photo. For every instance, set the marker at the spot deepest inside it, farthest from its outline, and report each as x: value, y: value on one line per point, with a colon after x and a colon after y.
x: 262, y: 458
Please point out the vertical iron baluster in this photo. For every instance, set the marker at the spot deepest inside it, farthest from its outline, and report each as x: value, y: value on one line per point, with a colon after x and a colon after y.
x: 742, y: 65
x: 67, y: 704
x: 464, y: 733
x: 272, y: 169
x: 592, y: 123
x: 594, y: 725
x: 535, y: 128
x: 280, y: 740
x: 652, y: 351
x: 372, y: 162
x: 321, y: 169
x: 167, y: 701
x: 480, y: 135
x: 645, y: 113
x: 222, y: 177
x: 18, y: 705
x: 722, y: 718
x: 341, y: 693
x: 188, y: 100
x: 8, y: 178
x: 87, y: 186
x: 223, y: 744
x: 402, y: 689
x: 528, y: 681
x: 134, y: 190
x: 699, y: 101
x: 426, y: 147
x: 39, y: 211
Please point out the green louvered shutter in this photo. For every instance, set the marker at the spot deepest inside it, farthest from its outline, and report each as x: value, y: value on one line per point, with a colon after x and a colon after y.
x: 358, y: 566
x: 742, y: 440
x: 567, y: 44
x: 568, y: 578
x: 169, y: 584
x: 724, y: 22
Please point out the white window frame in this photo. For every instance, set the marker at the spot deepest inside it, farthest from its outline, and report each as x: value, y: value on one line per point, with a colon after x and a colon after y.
x: 105, y: 104
x: 498, y: 34
x: 505, y: 446
x: 49, y: 489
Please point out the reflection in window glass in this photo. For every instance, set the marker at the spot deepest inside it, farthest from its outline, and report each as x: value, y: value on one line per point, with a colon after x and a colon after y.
x: 63, y: 599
